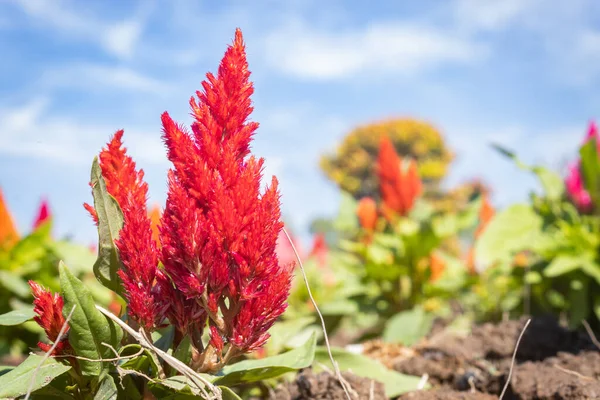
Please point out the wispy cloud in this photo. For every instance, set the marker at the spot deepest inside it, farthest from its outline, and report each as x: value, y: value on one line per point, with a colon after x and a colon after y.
x: 388, y: 47
x: 118, y: 38
x: 100, y: 77
x: 32, y: 131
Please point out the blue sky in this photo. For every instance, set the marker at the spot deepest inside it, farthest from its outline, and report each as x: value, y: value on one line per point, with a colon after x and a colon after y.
x: 523, y: 73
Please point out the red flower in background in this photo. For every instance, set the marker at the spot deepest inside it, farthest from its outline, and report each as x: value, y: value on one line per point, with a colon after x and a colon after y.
x: 367, y: 213
x: 8, y: 230
x: 49, y: 308
x: 399, y: 186
x: 574, y: 181
x: 43, y: 214
x: 320, y: 249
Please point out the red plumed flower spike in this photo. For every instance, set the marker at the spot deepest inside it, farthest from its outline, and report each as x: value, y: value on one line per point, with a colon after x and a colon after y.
x: 218, y: 231
x: 136, y: 245
x: 49, y: 310
x: 399, y: 186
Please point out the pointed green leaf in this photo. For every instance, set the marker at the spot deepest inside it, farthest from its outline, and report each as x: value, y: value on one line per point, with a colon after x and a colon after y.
x: 248, y: 371
x: 89, y: 328
x: 110, y: 222
x: 229, y: 394
x: 395, y: 382
x: 513, y: 229
x: 183, y: 352
x: 551, y: 182
x: 563, y: 264
x: 15, y: 284
x: 18, y: 381
x: 16, y: 317
x: 107, y: 389
x: 408, y: 327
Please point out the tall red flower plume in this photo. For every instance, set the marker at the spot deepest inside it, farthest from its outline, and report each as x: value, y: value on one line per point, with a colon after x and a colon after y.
x: 399, y: 186
x: 43, y: 214
x: 486, y: 213
x: 49, y: 310
x: 137, y: 248
x: 218, y: 231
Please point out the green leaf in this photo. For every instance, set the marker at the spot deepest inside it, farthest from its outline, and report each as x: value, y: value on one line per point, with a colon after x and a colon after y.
x: 395, y: 382
x: 79, y: 258
x: 229, y: 394
x: 89, y: 328
x: 590, y: 168
x: 107, y: 389
x: 248, y: 371
x: 183, y: 352
x: 16, y: 317
x: 551, y: 182
x: 284, y: 330
x: 563, y: 264
x: 110, y: 222
x: 346, y: 219
x: 408, y: 327
x: 17, y: 382
x: 15, y: 284
x: 513, y: 229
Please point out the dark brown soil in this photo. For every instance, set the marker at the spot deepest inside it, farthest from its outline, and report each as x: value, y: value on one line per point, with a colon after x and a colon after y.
x: 325, y: 386
x: 446, y: 394
x: 552, y: 362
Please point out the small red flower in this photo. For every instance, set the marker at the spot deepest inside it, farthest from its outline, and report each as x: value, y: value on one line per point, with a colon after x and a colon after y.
x: 367, y: 213
x: 399, y: 186
x: 43, y: 214
x: 49, y: 310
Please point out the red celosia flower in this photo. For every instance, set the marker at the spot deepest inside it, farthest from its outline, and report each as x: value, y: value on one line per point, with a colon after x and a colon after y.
x: 367, y: 213
x: 137, y: 248
x: 48, y: 308
x: 320, y: 249
x: 399, y: 187
x: 43, y: 214
x: 8, y: 230
x: 218, y: 232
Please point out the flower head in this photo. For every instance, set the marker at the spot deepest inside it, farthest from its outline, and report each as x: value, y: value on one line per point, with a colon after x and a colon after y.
x: 367, y: 213
x: 49, y: 310
x: 8, y: 230
x: 218, y: 231
x: 136, y: 245
x: 43, y: 214
x: 399, y: 186
x: 576, y: 190
x: 320, y: 249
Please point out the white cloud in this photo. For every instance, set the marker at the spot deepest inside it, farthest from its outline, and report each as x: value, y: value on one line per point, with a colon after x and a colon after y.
x: 101, y: 77
x: 117, y: 38
x: 394, y: 48
x: 492, y: 15
x: 122, y: 38
x: 33, y: 131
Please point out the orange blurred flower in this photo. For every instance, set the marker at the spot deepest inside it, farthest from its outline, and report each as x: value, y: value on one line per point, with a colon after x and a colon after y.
x: 399, y: 186
x: 367, y: 213
x: 437, y: 266
x: 154, y: 215
x: 8, y: 231
x: 486, y: 213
